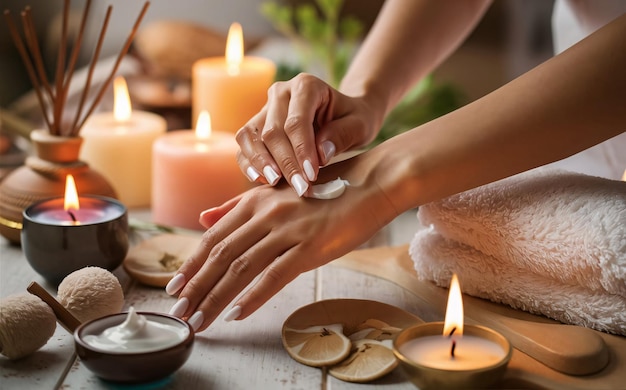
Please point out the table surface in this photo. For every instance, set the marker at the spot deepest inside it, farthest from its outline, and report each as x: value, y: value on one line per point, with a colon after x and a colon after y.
x: 249, y: 354
x: 235, y: 355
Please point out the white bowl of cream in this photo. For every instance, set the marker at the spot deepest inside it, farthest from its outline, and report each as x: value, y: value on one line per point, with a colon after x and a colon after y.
x: 134, y: 347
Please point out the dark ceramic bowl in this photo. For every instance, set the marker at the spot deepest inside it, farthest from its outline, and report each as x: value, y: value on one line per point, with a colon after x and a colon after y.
x: 128, y: 367
x: 55, y: 248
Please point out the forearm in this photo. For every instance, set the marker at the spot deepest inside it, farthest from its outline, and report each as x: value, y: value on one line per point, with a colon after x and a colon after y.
x: 409, y: 39
x: 566, y: 105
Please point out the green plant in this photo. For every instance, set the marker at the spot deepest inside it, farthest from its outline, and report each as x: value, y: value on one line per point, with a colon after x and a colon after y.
x: 428, y: 100
x: 318, y: 33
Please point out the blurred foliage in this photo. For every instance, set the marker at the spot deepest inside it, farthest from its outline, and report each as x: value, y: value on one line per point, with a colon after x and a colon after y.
x: 428, y: 100
x: 322, y: 37
x: 319, y: 35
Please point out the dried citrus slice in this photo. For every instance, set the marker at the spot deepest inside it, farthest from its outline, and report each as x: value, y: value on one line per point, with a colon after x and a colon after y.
x: 374, y: 329
x: 368, y: 360
x: 317, y: 346
x: 154, y: 261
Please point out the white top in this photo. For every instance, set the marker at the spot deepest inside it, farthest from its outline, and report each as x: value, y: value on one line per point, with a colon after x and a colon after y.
x: 573, y: 20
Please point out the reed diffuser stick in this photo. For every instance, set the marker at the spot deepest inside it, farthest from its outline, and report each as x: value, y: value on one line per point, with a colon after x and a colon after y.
x: 92, y: 67
x: 105, y: 85
x: 54, y: 105
x: 35, y: 51
x: 29, y: 66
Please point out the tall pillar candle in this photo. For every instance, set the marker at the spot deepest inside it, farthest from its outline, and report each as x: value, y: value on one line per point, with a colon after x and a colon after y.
x: 194, y: 171
x: 118, y: 144
x: 232, y: 88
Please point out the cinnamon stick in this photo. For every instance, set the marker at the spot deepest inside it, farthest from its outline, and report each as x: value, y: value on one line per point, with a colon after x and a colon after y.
x: 64, y: 317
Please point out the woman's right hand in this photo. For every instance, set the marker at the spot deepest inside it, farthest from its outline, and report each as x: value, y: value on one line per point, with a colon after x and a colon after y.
x: 304, y: 123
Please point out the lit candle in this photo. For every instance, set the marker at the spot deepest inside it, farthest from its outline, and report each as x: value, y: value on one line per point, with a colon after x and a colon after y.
x: 118, y: 145
x: 194, y: 171
x: 232, y: 88
x: 63, y: 234
x: 452, y: 354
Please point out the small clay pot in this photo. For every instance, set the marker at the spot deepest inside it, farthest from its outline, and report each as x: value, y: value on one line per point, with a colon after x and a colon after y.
x: 43, y: 176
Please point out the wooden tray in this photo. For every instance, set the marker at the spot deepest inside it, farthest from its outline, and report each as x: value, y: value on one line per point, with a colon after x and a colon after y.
x: 524, y: 330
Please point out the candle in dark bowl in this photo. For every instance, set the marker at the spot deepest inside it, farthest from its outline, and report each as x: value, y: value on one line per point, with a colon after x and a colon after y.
x: 57, y: 242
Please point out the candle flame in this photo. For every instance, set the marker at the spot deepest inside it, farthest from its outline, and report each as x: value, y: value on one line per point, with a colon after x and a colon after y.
x: 71, y: 195
x: 203, y: 125
x: 234, y: 49
x: 624, y: 176
x: 122, y: 109
x: 454, y: 310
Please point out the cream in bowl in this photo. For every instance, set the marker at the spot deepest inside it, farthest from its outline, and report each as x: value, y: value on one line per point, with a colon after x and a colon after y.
x: 134, y: 347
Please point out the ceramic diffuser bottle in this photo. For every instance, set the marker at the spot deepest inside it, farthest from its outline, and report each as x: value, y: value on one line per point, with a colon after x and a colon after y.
x: 57, y: 147
x: 43, y: 176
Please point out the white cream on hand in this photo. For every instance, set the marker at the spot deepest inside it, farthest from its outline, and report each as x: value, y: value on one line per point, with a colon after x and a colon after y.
x: 329, y: 190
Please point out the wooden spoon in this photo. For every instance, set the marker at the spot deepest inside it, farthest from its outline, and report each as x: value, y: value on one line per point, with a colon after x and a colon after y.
x: 572, y: 350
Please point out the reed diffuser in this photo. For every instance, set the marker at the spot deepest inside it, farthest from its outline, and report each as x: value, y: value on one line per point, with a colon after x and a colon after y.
x: 57, y: 146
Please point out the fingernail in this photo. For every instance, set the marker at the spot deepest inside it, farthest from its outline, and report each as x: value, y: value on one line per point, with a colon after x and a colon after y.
x: 308, y: 170
x: 252, y: 174
x: 196, y: 320
x: 329, y: 150
x: 299, y: 184
x: 175, y: 284
x: 232, y: 314
x: 179, y: 307
x: 270, y: 175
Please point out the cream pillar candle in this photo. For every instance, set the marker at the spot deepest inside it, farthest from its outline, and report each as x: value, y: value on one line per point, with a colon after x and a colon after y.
x: 232, y: 88
x: 194, y: 171
x: 118, y: 145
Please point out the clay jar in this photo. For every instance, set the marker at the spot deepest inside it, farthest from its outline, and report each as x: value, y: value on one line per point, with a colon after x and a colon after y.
x: 43, y: 176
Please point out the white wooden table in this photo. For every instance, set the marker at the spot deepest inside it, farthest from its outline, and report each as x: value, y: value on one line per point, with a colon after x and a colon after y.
x: 235, y: 355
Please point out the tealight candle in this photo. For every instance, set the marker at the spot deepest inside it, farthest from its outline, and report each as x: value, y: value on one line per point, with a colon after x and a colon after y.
x: 232, y: 88
x: 451, y: 354
x: 118, y: 145
x: 61, y: 235
x: 194, y: 171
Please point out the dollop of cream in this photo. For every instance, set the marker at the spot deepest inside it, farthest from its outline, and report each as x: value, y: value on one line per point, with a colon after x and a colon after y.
x: 138, y: 334
x: 330, y: 190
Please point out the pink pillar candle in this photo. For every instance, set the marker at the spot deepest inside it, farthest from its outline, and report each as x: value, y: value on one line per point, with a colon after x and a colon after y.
x: 192, y: 174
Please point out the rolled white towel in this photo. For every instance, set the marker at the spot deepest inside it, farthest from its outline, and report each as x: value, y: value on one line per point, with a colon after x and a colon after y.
x: 567, y: 227
x: 484, y: 276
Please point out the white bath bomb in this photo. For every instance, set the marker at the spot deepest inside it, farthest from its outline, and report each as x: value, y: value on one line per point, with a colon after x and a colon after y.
x: 26, y: 324
x: 91, y: 292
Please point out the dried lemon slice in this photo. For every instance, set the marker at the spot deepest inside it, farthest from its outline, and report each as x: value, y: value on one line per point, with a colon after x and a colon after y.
x: 368, y: 360
x: 317, y: 346
x: 374, y: 329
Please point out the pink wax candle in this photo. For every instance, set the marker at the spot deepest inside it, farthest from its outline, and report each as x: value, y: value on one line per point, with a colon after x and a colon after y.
x: 194, y: 171
x: 63, y: 234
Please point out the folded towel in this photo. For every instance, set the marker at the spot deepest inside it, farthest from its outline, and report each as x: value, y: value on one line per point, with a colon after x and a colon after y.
x: 545, y: 241
x: 437, y: 258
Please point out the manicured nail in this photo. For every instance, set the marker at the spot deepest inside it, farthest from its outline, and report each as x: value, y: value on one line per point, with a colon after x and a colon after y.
x: 175, y: 284
x: 329, y: 150
x: 196, y: 320
x: 270, y: 175
x: 252, y: 174
x: 308, y: 170
x: 179, y: 307
x: 299, y: 184
x: 232, y: 314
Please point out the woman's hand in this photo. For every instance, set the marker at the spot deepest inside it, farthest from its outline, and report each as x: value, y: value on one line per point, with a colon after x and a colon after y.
x: 274, y: 233
x: 304, y: 123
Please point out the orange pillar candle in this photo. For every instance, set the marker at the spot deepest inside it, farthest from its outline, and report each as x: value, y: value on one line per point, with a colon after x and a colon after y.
x: 232, y: 88
x: 194, y: 171
x: 118, y: 144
